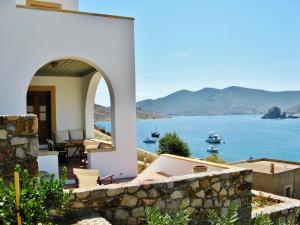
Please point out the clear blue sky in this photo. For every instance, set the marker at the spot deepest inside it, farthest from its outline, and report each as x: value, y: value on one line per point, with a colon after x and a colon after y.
x: 193, y: 44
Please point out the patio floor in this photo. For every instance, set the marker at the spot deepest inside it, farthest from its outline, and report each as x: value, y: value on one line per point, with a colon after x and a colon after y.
x: 75, y: 163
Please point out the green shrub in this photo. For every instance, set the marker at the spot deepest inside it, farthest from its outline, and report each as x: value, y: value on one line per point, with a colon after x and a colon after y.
x: 155, y: 217
x: 230, y: 219
x: 172, y: 144
x: 214, y: 158
x: 262, y: 219
x: 38, y: 196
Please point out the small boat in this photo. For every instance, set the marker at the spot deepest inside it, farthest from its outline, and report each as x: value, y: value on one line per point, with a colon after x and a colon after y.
x: 149, y: 141
x: 155, y: 134
x: 212, y: 149
x: 213, y: 138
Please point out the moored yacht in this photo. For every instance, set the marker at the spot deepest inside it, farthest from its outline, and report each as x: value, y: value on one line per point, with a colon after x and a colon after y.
x: 214, y: 138
x: 212, y: 149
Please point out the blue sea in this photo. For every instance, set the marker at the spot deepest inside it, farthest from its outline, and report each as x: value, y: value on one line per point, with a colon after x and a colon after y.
x: 244, y: 136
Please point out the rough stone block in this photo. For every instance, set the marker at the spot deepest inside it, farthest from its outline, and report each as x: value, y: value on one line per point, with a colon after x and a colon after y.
x: 204, y: 183
x: 177, y: 195
x: 200, y: 194
x: 3, y: 135
x: 160, y: 204
x: 34, y: 147
x: 217, y: 186
x: 20, y: 153
x: 18, y: 141
x: 129, y: 201
x: 149, y: 202
x: 6, y: 152
x: 208, y: 204
x: 114, y: 192
x: 138, y: 212
x: 197, y: 203
x: 170, y: 185
x: 133, y: 189
x: 82, y: 195
x: 172, y: 204
x: 195, y: 184
x: 77, y: 205
x: 98, y: 194
x: 141, y: 194
x: 121, y: 214
x: 152, y: 193
x: 27, y: 126
x: 132, y: 221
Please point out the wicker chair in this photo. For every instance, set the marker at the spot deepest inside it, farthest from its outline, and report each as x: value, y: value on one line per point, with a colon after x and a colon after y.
x: 90, y: 178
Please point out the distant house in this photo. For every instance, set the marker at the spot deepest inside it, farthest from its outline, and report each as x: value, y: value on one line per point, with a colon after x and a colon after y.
x: 52, y: 58
x: 274, y: 176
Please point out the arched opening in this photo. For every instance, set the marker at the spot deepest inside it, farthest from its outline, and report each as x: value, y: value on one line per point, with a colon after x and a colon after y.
x: 102, y: 112
x: 62, y: 95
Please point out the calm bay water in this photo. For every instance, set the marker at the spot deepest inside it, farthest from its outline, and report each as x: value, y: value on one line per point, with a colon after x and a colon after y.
x: 244, y: 136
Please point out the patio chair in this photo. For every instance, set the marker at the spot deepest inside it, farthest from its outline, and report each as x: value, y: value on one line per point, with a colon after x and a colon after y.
x: 61, y: 149
x: 90, y: 178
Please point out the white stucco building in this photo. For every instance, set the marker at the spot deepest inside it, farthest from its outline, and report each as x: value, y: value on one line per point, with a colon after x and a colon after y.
x: 52, y: 58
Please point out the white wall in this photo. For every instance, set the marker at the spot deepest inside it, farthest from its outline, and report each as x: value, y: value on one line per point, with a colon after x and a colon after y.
x: 31, y: 38
x: 49, y: 163
x: 66, y: 4
x: 175, y: 166
x: 69, y: 100
x: 89, y: 85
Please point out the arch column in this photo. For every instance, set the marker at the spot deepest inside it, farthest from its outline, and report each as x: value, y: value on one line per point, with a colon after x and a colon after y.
x: 90, y: 84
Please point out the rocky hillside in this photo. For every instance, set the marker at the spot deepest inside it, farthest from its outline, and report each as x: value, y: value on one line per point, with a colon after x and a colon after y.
x: 211, y: 101
x: 294, y: 110
x: 102, y: 113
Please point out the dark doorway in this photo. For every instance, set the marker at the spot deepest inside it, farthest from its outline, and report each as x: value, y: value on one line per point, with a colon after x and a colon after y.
x: 39, y: 103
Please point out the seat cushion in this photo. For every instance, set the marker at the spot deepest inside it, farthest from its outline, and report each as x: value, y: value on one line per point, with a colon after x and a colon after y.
x: 76, y: 134
x: 86, y: 177
x: 87, y: 181
x: 61, y: 137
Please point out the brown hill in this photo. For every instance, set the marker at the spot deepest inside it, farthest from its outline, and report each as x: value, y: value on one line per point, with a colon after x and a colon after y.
x: 102, y: 113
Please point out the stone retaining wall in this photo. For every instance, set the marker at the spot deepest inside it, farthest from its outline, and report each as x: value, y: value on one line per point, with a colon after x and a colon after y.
x: 18, y: 144
x: 286, y: 210
x: 125, y: 203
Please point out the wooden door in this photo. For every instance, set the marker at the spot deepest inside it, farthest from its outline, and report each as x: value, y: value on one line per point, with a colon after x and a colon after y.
x: 39, y: 103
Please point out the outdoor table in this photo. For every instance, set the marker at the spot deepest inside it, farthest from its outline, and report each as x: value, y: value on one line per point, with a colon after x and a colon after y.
x: 79, y: 151
x: 78, y: 144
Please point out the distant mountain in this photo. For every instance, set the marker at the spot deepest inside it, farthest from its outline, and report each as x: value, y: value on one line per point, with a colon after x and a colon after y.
x: 211, y: 101
x: 294, y: 110
x: 102, y: 113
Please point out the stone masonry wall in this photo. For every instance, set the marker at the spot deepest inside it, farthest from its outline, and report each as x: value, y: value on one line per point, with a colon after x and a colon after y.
x: 125, y: 203
x: 18, y: 144
x: 286, y: 211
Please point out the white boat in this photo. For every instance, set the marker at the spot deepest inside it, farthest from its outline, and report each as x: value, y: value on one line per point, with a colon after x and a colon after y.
x: 214, y: 138
x: 212, y: 149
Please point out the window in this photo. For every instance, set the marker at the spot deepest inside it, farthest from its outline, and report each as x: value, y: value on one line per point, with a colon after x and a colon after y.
x: 288, y: 191
x: 46, y: 5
